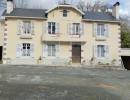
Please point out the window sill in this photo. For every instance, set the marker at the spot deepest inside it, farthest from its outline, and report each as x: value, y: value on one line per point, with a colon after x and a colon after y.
x: 26, y: 37
x: 100, y: 39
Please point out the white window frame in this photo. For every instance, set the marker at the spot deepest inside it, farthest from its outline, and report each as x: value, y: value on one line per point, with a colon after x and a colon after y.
x: 65, y: 13
x: 51, y: 27
x: 24, y: 26
x: 26, y: 50
x: 74, y: 25
x: 100, y: 33
x: 51, y: 50
x: 100, y: 51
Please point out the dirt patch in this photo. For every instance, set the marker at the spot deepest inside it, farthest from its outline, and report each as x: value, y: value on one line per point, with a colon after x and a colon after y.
x: 106, y: 86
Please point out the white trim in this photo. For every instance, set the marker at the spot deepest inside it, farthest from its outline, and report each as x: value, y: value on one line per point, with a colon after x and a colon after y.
x: 4, y: 56
x: 5, y: 37
x: 24, y: 17
x: 98, y: 20
x: 6, y: 32
x: 4, y: 61
x: 4, y: 51
x: 66, y: 6
x: 5, y: 41
x: 6, y: 27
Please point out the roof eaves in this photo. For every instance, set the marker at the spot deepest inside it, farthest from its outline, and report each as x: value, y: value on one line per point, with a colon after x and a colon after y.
x: 100, y: 20
x: 25, y: 17
x: 65, y: 6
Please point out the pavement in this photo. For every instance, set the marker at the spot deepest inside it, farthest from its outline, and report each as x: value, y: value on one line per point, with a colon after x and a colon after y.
x: 60, y: 83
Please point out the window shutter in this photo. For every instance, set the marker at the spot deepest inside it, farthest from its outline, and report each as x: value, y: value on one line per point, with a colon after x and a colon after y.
x: 45, y: 24
x: 107, y: 29
x: 70, y: 28
x: 32, y: 27
x: 58, y: 50
x: 107, y: 51
x: 57, y: 27
x: 32, y: 50
x: 19, y: 49
x: 95, y: 51
x: 81, y: 28
x: 44, y: 50
x: 20, y: 27
x: 95, y: 29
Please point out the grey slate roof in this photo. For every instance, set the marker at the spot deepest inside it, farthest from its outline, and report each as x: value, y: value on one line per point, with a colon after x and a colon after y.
x: 27, y: 13
x: 41, y: 14
x: 99, y: 16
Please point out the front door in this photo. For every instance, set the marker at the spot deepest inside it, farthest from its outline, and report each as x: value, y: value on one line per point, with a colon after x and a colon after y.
x: 76, y: 53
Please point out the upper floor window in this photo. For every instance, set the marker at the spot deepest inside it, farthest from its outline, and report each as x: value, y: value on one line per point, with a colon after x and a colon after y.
x: 51, y: 27
x: 100, y: 30
x: 26, y: 27
x: 64, y: 13
x: 76, y: 28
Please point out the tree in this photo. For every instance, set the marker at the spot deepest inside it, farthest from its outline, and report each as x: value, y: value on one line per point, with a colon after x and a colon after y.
x: 72, y: 2
x: 21, y: 3
x: 93, y: 6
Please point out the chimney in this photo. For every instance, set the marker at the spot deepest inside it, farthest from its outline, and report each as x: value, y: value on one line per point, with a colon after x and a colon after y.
x: 10, y: 6
x: 115, y: 10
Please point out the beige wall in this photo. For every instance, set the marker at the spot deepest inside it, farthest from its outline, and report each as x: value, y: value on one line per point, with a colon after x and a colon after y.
x: 1, y: 33
x: 56, y: 15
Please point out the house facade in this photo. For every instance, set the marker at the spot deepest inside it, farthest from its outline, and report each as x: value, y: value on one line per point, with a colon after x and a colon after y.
x: 62, y: 34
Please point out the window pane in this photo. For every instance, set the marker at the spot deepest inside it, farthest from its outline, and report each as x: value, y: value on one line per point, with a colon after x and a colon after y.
x: 64, y: 13
x: 49, y: 50
x: 49, y: 28
x: 53, y: 28
x: 102, y: 30
x: 53, y: 50
x: 98, y: 30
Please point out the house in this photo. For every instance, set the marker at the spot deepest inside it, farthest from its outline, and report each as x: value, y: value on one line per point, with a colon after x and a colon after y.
x: 60, y: 35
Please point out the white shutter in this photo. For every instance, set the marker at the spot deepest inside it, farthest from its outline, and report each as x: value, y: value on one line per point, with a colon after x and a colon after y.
x: 57, y: 27
x: 107, y: 51
x: 70, y: 28
x: 95, y: 29
x: 44, y: 50
x: 107, y: 30
x: 20, y: 27
x: 82, y: 28
x: 32, y: 27
x: 57, y: 50
x: 45, y: 24
x: 32, y: 50
x: 19, y: 49
x: 95, y: 51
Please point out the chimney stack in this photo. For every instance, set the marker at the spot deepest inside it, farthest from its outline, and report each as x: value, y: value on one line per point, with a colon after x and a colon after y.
x: 115, y: 10
x: 10, y: 6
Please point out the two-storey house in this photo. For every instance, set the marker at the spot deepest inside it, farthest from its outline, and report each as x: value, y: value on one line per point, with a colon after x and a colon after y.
x: 61, y: 34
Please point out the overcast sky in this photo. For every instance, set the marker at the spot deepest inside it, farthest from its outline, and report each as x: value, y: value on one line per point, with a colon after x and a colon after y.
x: 124, y: 7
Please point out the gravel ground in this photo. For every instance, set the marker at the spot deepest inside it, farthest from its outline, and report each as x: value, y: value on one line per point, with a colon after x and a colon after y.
x: 51, y: 83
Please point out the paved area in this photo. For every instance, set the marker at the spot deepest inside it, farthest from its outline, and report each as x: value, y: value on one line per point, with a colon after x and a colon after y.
x: 49, y: 83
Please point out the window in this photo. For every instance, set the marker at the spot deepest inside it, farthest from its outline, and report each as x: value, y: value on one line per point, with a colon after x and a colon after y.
x: 100, y: 30
x: 64, y: 13
x: 26, y: 49
x: 27, y: 27
x: 76, y: 28
x: 51, y: 27
x: 51, y: 50
x: 101, y: 51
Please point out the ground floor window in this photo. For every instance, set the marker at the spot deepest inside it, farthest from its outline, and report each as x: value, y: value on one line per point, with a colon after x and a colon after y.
x: 26, y: 49
x: 52, y: 50
x: 100, y: 50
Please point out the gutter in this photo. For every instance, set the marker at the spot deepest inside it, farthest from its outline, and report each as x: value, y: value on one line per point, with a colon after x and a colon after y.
x: 25, y: 17
x: 99, y: 20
